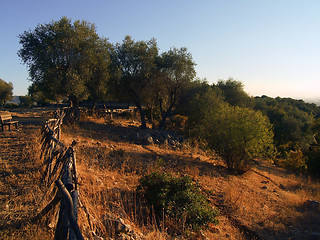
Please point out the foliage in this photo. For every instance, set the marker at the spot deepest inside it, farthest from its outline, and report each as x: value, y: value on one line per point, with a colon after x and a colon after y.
x: 175, y: 70
x: 316, y: 130
x: 38, y: 95
x: 133, y: 64
x: 178, y: 123
x: 239, y: 135
x: 177, y: 197
x: 313, y: 153
x: 63, y: 58
x: 292, y: 119
x: 313, y: 160
x: 26, y: 101
x: 294, y: 160
x: 5, y: 91
x: 234, y: 93
x: 200, y: 100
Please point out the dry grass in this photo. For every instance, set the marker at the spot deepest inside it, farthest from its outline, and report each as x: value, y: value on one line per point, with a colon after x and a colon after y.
x: 267, y: 203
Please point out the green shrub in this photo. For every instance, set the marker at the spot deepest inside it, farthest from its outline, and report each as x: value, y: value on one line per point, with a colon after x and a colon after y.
x: 177, y: 123
x: 294, y: 161
x: 313, y: 160
x: 291, y: 157
x: 178, y: 198
x: 238, y: 135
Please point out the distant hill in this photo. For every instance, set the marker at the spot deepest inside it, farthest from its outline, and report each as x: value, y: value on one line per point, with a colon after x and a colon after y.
x: 313, y: 100
x: 15, y: 100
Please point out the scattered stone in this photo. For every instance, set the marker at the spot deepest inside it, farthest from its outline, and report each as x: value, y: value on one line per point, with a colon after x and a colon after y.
x: 265, y: 182
x: 121, y: 229
x: 215, y: 230
x: 117, y: 224
x: 281, y: 186
x: 203, y: 236
x: 96, y: 237
x: 148, y: 139
x: 264, y: 187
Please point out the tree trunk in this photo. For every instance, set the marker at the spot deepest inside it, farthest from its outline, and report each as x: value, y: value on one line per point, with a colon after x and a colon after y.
x: 142, y: 116
x: 162, y: 124
x: 73, y: 114
x: 164, y: 116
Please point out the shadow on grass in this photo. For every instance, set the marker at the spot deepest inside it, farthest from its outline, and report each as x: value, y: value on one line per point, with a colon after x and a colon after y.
x: 304, y: 227
x: 112, y: 132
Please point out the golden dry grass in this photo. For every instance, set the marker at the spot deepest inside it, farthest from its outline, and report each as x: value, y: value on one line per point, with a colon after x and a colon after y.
x: 267, y: 203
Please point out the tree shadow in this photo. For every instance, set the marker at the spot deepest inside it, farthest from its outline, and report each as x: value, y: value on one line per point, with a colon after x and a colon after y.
x: 32, y: 120
x: 303, y: 227
x: 112, y: 132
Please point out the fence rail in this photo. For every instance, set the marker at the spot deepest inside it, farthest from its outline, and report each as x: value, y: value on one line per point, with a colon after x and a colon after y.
x: 60, y: 168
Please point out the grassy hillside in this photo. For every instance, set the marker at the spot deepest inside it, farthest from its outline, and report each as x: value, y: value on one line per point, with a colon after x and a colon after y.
x: 265, y: 203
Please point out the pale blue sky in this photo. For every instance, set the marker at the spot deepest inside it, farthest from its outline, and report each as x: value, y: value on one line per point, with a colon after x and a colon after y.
x: 272, y: 46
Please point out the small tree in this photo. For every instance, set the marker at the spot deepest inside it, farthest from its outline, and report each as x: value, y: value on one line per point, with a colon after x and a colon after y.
x: 239, y: 135
x: 5, y: 91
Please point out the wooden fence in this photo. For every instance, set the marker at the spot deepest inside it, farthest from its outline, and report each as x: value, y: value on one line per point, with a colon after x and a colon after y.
x: 60, y: 171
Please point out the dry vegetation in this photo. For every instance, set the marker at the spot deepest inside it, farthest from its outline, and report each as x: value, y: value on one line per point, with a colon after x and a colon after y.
x: 265, y: 203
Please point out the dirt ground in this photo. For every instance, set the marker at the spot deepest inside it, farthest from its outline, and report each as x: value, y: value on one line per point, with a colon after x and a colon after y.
x: 265, y: 203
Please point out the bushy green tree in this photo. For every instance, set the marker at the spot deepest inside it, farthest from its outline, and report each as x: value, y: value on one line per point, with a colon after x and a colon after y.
x: 5, y: 91
x: 239, y: 135
x: 202, y: 101
x: 63, y: 58
x: 175, y: 70
x: 133, y: 63
x: 234, y: 94
x: 292, y: 120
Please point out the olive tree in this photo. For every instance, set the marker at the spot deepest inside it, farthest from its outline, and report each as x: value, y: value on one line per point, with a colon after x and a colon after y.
x: 62, y: 58
x: 175, y: 71
x: 134, y: 64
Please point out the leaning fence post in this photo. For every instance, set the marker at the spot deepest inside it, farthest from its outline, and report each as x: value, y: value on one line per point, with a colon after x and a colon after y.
x: 75, y: 198
x: 69, y: 209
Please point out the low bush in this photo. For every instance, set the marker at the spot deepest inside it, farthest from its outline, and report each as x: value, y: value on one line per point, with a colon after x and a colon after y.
x: 178, y: 198
x: 239, y: 135
x: 294, y: 161
x: 178, y: 123
x: 313, y: 161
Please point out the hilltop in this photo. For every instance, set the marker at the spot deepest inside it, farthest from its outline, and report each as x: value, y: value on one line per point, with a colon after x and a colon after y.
x: 267, y: 202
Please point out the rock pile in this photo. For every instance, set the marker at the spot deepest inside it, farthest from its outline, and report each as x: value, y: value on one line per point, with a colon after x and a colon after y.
x: 148, y: 137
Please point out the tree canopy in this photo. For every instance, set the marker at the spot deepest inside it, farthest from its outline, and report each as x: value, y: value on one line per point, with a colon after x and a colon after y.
x: 239, y: 135
x: 5, y: 91
x: 135, y: 62
x: 234, y: 93
x: 63, y: 58
x: 175, y: 71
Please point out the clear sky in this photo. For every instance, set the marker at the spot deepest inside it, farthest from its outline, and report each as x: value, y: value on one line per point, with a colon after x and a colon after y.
x: 272, y: 46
